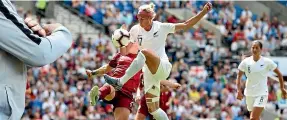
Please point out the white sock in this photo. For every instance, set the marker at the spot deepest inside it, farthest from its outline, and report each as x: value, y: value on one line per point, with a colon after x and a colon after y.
x: 159, y: 114
x: 135, y: 66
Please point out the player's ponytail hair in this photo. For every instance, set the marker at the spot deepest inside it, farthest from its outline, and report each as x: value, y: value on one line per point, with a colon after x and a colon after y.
x: 152, y: 6
x: 148, y: 8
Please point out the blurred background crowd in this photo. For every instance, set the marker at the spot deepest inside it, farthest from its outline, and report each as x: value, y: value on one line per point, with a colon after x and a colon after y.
x: 205, y: 68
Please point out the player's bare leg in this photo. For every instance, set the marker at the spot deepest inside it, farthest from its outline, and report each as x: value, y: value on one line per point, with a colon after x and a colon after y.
x: 140, y: 116
x: 121, y: 113
x: 154, y: 109
x: 145, y: 56
x: 256, y: 113
x: 152, y: 60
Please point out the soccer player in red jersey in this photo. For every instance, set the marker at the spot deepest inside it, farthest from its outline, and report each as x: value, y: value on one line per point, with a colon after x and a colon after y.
x: 121, y: 100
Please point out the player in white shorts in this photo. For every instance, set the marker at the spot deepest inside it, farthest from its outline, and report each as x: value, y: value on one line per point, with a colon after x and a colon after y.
x: 152, y: 59
x: 256, y: 68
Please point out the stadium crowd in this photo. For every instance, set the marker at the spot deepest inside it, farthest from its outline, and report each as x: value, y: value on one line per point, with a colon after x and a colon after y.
x: 207, y: 73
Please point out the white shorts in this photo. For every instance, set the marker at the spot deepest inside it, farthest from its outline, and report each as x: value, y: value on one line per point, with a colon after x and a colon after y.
x: 256, y: 101
x: 152, y: 81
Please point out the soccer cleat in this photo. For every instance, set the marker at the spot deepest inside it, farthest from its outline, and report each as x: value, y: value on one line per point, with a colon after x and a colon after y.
x: 94, y: 95
x: 115, y: 82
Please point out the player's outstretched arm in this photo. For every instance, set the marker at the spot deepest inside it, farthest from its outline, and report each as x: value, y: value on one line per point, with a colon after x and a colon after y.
x: 281, y: 81
x: 18, y: 40
x: 170, y: 84
x: 100, y: 71
x: 192, y: 21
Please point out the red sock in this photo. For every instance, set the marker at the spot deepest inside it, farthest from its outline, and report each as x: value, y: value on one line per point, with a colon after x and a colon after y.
x: 104, y: 91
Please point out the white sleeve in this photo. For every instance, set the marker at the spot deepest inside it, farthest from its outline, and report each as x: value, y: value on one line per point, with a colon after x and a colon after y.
x: 241, y: 66
x: 168, y: 27
x: 271, y: 65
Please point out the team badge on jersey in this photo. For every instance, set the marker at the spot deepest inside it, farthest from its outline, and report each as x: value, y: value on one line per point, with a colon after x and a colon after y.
x: 155, y: 34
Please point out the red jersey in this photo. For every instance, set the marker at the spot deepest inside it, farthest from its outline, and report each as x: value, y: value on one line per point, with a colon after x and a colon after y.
x: 164, y: 97
x: 121, y: 63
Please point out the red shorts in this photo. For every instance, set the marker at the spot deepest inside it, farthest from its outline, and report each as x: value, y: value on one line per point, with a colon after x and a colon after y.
x: 144, y: 110
x: 120, y: 100
x: 143, y: 107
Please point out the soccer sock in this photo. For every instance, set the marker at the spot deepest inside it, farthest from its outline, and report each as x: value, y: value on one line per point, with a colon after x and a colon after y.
x: 104, y: 91
x: 159, y: 114
x: 135, y: 66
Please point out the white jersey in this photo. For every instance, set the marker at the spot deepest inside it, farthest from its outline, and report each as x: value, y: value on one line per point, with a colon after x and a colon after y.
x: 256, y: 73
x: 155, y: 39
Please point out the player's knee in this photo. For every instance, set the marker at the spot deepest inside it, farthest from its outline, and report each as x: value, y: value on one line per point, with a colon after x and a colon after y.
x: 152, y: 107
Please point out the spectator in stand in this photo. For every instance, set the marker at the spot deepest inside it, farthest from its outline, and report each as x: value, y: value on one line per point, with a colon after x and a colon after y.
x: 41, y: 6
x: 230, y: 11
x: 76, y: 3
x: 239, y: 39
x: 250, y: 33
x: 221, y: 27
x: 126, y: 18
x: 246, y: 13
x: 275, y: 22
x: 89, y: 9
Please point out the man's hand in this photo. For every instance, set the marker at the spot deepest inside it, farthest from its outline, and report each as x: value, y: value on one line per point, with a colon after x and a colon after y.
x: 176, y: 85
x: 239, y: 95
x: 207, y: 7
x: 284, y: 93
x: 49, y: 28
x: 35, y: 26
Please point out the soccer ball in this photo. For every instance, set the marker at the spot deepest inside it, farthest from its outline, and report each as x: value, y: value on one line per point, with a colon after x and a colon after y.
x: 120, y: 38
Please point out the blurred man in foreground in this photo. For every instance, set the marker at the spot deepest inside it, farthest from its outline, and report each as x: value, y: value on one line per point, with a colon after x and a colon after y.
x: 23, y: 46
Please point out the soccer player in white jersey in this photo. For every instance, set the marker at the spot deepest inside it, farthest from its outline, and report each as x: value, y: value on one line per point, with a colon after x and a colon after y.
x: 152, y: 59
x: 256, y: 68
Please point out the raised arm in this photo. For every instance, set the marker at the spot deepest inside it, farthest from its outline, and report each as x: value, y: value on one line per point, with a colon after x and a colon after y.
x: 170, y: 84
x: 100, y: 71
x: 106, y: 68
x: 18, y: 40
x: 192, y: 21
